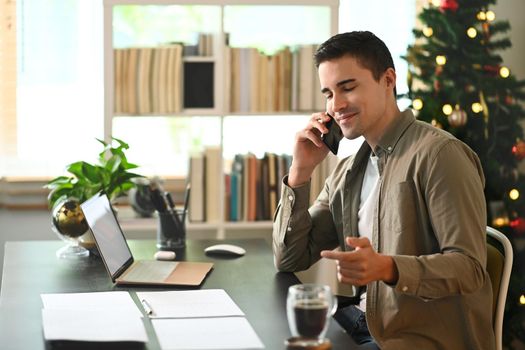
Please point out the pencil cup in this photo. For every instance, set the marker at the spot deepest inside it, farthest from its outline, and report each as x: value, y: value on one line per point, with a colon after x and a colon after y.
x: 171, y: 230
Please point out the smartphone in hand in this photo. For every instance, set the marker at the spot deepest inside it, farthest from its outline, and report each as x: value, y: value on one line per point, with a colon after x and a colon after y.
x: 334, y: 135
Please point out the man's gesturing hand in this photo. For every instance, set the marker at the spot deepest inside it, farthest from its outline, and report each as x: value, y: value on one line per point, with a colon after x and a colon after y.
x: 362, y: 265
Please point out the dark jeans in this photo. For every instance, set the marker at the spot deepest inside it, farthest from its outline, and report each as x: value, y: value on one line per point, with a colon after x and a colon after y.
x: 354, y: 322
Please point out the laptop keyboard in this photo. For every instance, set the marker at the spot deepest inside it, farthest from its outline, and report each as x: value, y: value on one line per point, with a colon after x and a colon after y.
x: 150, y: 271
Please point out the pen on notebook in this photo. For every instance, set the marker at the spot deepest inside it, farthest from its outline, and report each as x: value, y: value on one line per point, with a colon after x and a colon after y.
x: 147, y: 307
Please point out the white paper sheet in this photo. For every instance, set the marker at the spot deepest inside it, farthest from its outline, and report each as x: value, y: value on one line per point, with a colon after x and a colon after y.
x: 101, y: 301
x: 206, y: 333
x: 92, y: 325
x: 192, y: 303
x: 99, y: 316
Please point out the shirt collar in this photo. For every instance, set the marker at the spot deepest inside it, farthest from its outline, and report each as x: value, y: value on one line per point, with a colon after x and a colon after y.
x: 388, y: 141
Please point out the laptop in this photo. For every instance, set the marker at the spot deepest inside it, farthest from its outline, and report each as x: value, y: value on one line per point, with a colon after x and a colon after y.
x: 119, y: 261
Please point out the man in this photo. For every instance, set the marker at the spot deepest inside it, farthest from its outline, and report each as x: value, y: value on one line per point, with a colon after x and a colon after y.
x: 407, y: 211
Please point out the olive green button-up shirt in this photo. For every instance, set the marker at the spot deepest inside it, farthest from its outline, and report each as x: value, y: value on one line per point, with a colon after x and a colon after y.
x: 430, y: 217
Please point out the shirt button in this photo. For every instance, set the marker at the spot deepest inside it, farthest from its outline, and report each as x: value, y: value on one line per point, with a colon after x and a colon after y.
x: 405, y: 288
x: 389, y: 148
x: 289, y: 228
x: 290, y: 197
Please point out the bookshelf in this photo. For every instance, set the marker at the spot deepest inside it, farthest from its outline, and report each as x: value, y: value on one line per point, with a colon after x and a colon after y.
x: 221, y: 108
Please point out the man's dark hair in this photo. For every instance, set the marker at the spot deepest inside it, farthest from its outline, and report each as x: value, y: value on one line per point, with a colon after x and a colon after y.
x: 370, y: 51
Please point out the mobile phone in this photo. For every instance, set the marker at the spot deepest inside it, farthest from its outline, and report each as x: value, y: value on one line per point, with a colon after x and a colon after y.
x: 334, y: 135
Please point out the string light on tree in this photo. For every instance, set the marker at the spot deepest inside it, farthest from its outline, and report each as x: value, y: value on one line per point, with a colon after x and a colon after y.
x: 472, y: 32
x: 482, y: 16
x: 522, y: 299
x: 441, y: 60
x: 490, y: 15
x: 417, y: 104
x: 436, y: 124
x: 504, y: 72
x: 514, y: 194
x: 477, y: 107
x: 427, y: 31
x: 447, y: 109
x: 435, y: 3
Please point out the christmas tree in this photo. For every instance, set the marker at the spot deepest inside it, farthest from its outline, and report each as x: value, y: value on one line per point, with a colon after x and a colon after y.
x: 458, y: 82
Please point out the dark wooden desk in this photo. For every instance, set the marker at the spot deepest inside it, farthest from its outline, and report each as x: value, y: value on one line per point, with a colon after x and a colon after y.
x: 31, y: 268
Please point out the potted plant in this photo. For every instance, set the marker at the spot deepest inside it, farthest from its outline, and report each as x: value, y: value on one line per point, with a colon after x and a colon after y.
x: 111, y: 175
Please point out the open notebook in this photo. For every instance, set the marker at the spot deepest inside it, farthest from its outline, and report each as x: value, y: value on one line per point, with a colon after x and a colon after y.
x: 117, y: 257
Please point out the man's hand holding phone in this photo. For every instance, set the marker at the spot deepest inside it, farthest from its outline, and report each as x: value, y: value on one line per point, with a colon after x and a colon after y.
x: 309, y: 149
x: 334, y: 135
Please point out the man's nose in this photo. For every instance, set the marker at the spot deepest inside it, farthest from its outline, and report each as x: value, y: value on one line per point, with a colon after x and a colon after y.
x: 338, y: 102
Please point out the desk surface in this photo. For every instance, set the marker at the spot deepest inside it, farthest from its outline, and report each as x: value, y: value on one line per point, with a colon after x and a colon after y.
x: 31, y: 268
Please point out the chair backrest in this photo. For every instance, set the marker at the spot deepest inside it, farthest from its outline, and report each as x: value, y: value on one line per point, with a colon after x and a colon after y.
x: 499, y: 266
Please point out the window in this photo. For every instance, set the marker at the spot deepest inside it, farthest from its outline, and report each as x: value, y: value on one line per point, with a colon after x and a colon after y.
x: 59, y: 88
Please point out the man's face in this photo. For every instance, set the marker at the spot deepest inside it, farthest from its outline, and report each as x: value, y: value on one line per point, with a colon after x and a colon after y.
x: 353, y: 97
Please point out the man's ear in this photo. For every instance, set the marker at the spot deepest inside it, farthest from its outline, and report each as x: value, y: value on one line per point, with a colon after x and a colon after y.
x: 390, y: 78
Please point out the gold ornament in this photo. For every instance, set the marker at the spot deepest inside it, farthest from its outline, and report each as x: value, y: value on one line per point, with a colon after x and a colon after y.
x: 69, y: 219
x: 457, y: 118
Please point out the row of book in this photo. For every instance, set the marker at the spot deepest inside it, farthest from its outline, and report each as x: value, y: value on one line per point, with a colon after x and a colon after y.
x: 252, y: 186
x: 148, y: 80
x: 156, y: 80
x: 285, y: 81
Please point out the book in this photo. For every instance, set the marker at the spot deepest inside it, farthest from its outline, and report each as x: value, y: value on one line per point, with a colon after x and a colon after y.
x: 144, y: 80
x: 213, y: 180
x: 155, y: 79
x: 272, y: 183
x: 118, y: 62
x: 174, y: 79
x: 196, y: 209
x: 131, y: 81
x: 162, y: 89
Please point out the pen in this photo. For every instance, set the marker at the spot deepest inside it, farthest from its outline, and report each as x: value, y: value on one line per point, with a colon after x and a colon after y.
x: 157, y: 200
x: 171, y: 203
x: 147, y: 307
x: 186, y: 201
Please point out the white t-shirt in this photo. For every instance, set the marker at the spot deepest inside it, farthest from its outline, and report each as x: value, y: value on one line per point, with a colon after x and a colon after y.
x: 369, y: 192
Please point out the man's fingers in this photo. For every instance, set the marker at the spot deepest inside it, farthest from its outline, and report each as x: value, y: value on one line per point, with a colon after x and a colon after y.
x: 333, y: 255
x: 358, y: 242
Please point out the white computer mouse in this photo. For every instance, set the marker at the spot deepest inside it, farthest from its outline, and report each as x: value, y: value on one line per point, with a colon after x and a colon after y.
x: 164, y: 255
x: 225, y: 249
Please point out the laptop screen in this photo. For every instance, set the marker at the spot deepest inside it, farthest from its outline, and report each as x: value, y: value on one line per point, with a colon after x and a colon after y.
x: 110, y: 240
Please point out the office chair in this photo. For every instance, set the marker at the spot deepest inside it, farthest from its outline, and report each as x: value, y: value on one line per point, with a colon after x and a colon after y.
x: 499, y: 266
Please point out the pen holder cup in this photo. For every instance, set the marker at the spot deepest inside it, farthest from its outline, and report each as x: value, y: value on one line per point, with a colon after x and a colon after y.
x: 171, y: 230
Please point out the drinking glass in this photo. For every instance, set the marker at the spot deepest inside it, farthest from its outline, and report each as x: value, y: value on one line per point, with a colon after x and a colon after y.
x: 309, y: 308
